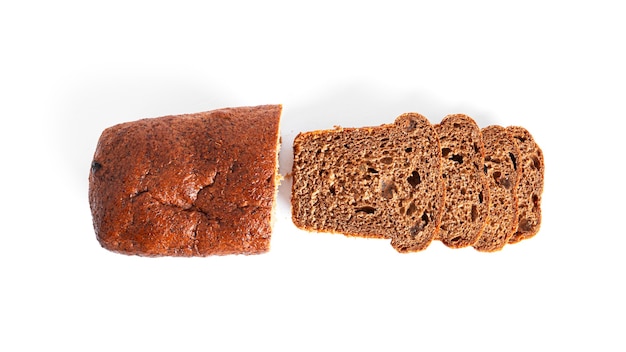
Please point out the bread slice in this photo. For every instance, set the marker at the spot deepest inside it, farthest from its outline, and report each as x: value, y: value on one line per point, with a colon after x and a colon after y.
x: 467, y: 191
x: 187, y: 185
x: 382, y: 182
x: 530, y: 187
x: 501, y: 158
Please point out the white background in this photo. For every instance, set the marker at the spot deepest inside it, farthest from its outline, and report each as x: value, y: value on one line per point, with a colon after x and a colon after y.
x: 69, y: 70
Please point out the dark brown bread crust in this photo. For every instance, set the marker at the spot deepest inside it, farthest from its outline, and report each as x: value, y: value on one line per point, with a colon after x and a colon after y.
x: 188, y: 185
x: 530, y: 187
x: 501, y: 158
x: 373, y: 181
x: 467, y: 191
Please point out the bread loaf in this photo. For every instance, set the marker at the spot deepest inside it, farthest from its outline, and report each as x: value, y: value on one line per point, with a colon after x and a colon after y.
x: 204, y: 184
x: 187, y: 185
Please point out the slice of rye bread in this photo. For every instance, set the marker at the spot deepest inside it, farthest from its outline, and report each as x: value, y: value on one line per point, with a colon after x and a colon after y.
x: 467, y: 190
x: 382, y: 182
x: 501, y: 156
x: 530, y: 187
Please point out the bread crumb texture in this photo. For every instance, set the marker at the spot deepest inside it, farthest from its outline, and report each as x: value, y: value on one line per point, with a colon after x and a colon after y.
x: 413, y: 182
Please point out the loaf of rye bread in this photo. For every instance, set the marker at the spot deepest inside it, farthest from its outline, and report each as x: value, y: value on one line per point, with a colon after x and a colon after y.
x: 530, y: 187
x: 380, y: 181
x: 467, y: 191
x: 501, y: 156
x: 187, y: 185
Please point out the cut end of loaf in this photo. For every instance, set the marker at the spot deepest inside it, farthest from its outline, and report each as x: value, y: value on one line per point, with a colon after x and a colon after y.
x: 370, y: 182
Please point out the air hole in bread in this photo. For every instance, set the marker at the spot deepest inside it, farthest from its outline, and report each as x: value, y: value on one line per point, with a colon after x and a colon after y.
x: 371, y: 170
x: 411, y: 209
x: 445, y: 152
x: 386, y: 160
x: 535, y: 202
x: 496, y: 176
x: 476, y: 149
x: 526, y: 225
x: 455, y: 239
x: 332, y: 189
x: 457, y: 158
x: 480, y: 196
x: 414, y: 179
x: 521, y: 139
x: 474, y: 213
x: 513, y: 160
x: 366, y: 210
x: 408, y: 150
x: 485, y: 169
x: 463, y: 190
x: 425, y: 218
x: 502, y: 180
x: 536, y: 163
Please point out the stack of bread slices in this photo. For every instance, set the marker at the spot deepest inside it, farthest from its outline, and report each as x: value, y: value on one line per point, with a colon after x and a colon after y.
x: 414, y: 182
